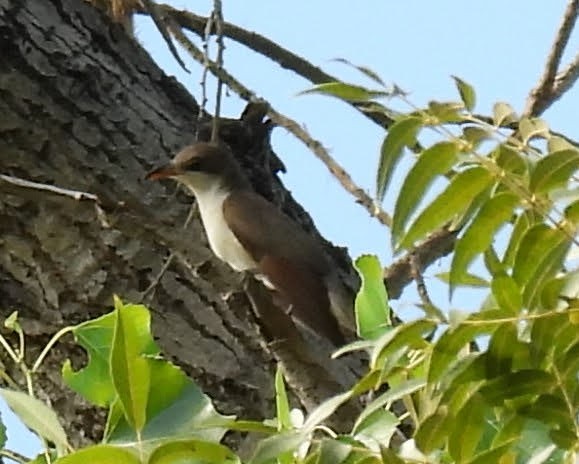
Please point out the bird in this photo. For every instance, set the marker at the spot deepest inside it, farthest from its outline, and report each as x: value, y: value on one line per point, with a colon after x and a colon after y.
x: 251, y: 234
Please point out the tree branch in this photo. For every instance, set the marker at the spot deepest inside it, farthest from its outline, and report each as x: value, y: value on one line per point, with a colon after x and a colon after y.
x: 543, y: 95
x: 271, y: 50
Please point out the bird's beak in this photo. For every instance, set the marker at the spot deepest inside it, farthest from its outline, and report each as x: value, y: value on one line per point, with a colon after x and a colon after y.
x: 163, y: 172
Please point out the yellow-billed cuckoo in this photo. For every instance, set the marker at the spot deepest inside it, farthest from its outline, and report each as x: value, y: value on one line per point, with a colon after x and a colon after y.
x: 250, y: 234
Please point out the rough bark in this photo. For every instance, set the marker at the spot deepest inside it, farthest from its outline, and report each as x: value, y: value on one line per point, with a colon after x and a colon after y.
x: 83, y: 106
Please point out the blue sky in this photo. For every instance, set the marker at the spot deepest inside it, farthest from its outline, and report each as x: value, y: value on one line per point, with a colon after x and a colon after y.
x: 499, y: 47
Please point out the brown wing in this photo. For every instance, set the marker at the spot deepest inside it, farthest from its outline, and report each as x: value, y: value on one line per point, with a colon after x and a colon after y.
x: 292, y: 261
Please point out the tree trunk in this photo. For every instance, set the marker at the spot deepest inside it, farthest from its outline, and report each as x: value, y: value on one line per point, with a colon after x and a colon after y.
x: 83, y: 107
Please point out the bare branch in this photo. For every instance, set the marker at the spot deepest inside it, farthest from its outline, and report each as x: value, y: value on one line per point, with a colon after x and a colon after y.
x: 566, y: 78
x: 399, y: 274
x: 543, y: 95
x: 285, y: 58
x: 218, y: 20
x: 155, y: 13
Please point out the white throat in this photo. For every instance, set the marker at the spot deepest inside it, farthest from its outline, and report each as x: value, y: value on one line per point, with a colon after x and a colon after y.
x: 210, y: 195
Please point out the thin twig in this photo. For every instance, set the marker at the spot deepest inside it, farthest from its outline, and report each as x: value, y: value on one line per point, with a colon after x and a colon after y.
x: 273, y: 51
x: 416, y: 273
x: 566, y: 78
x: 155, y: 13
x: 15, y: 456
x: 541, y: 97
x: 218, y: 20
x: 22, y: 183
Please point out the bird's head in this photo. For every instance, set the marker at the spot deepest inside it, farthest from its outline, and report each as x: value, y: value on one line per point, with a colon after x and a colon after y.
x: 201, y: 166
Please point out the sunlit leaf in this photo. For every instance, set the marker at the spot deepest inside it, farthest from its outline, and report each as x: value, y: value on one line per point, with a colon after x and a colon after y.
x: 100, y: 454
x: 371, y: 305
x: 481, y: 232
x: 130, y: 371
x: 325, y: 410
x: 272, y: 447
x: 93, y: 381
x: 512, y: 161
x: 554, y: 170
x: 400, y: 135
x: 446, y: 112
x: 409, y: 335
x: 466, y: 280
x: 503, y: 113
x: 475, y: 135
x: 431, y: 163
x: 507, y: 293
x: 539, y: 256
x: 407, y: 387
x: 522, y: 225
x: 281, y: 401
x: 348, y: 92
x: 457, y: 196
x: 37, y: 416
x: 572, y: 213
x: 530, y: 128
x: 193, y: 451
x: 467, y: 93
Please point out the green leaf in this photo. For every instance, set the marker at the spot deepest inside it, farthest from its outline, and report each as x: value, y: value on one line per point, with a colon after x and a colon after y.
x: 390, y: 457
x: 325, y: 410
x: 446, y: 112
x: 501, y: 350
x: 11, y: 323
x: 507, y: 293
x: 406, y: 388
x: 516, y: 384
x: 540, y: 256
x: 272, y: 447
x: 455, y: 199
x: 432, y: 433
x: 549, y: 409
x: 37, y: 416
x: 554, y: 170
x: 93, y: 382
x: 409, y: 335
x: 475, y: 135
x: 512, y: 161
x: 447, y: 347
x: 2, y: 434
x: 492, y: 455
x: 348, y: 92
x: 481, y: 232
x: 130, y: 370
x: 333, y: 451
x: 572, y: 213
x: 432, y: 162
x: 522, y: 225
x: 364, y: 70
x: 378, y: 426
x: 371, y: 305
x: 467, y: 93
x: 467, y: 429
x: 466, y: 280
x: 193, y: 451
x: 503, y: 113
x: 401, y: 134
x: 281, y: 402
x: 530, y: 128
x: 100, y: 454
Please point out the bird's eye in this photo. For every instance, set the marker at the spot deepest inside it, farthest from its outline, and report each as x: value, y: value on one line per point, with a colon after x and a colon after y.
x: 193, y: 165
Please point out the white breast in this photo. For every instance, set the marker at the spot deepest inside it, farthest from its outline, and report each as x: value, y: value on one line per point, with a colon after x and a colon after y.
x: 221, y: 240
